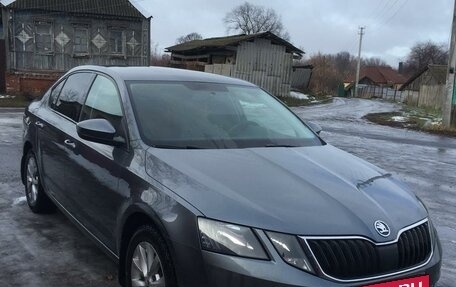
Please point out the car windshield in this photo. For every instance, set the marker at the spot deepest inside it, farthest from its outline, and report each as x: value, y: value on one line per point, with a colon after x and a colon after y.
x: 193, y: 115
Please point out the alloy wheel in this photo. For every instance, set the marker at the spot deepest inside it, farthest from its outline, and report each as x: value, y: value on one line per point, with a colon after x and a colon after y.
x: 32, y: 181
x: 146, y: 267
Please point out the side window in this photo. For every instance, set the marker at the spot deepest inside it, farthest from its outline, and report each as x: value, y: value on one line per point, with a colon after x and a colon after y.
x: 81, y: 42
x: 72, y: 95
x: 103, y: 102
x: 55, y: 94
x: 43, y: 37
x: 116, y: 42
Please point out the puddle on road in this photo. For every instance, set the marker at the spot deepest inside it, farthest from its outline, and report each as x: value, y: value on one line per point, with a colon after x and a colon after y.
x: 19, y: 200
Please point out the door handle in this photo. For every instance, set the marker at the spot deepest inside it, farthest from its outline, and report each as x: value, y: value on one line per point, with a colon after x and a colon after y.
x: 70, y: 143
x: 39, y: 124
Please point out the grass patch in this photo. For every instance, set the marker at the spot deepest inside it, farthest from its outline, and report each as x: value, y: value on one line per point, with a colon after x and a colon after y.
x: 421, y: 119
x: 18, y: 101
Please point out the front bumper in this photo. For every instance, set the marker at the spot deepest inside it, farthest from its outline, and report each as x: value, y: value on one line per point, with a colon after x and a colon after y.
x: 229, y: 271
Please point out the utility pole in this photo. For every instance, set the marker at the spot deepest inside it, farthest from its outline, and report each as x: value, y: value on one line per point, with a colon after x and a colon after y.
x: 361, y: 33
x: 449, y: 104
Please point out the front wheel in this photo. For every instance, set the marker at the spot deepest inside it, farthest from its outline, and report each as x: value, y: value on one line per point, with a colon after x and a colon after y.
x: 148, y: 262
x: 37, y: 200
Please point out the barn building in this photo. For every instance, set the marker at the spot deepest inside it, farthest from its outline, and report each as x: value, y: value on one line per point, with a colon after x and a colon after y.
x: 300, y: 77
x: 377, y: 82
x: 42, y: 39
x: 427, y: 88
x: 263, y: 59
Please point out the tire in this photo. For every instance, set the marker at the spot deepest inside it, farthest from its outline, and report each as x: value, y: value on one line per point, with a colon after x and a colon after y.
x: 37, y: 199
x: 148, y: 239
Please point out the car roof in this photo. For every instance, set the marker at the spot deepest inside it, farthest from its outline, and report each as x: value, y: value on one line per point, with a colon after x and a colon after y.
x: 163, y: 74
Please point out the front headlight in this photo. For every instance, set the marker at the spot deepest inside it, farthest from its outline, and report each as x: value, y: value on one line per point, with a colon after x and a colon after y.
x: 290, y: 250
x: 229, y: 239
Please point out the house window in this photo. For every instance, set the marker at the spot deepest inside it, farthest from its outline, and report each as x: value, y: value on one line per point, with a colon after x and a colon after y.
x: 43, y: 37
x: 81, y: 42
x: 116, y: 42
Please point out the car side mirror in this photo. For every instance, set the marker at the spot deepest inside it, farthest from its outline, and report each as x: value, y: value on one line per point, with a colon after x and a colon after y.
x: 315, y: 127
x: 99, y: 131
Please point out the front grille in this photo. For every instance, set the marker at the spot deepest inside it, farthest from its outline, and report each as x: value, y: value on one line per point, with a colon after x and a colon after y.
x: 355, y: 258
x: 414, y: 246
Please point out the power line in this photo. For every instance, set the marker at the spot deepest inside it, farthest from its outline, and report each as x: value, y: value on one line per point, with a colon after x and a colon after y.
x: 391, y: 17
x: 374, y: 11
x: 397, y: 11
x: 383, y: 10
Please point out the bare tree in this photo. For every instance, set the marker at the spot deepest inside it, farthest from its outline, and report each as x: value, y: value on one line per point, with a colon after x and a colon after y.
x: 425, y: 53
x: 325, y: 76
x: 343, y: 62
x: 250, y: 19
x: 330, y: 70
x: 157, y: 58
x: 189, y: 37
x: 373, y: 62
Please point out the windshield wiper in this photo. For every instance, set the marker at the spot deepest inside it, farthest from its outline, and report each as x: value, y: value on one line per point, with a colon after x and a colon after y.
x: 280, y: 145
x: 177, y: 147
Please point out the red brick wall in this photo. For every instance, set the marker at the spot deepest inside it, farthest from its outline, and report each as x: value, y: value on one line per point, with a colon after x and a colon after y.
x: 29, y: 83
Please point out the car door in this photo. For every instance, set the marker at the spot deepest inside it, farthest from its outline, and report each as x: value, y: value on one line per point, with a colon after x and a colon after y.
x: 50, y: 148
x: 55, y: 147
x: 66, y: 111
x: 92, y: 173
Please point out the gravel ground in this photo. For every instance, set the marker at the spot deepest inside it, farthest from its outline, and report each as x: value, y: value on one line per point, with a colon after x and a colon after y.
x: 47, y: 250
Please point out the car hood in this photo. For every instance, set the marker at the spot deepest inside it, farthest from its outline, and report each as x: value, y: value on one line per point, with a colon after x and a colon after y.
x: 318, y: 190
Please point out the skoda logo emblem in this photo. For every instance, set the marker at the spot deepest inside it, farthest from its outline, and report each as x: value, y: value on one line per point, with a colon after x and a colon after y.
x: 382, y: 228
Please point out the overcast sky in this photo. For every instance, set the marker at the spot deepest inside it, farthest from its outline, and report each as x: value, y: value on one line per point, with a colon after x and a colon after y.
x: 329, y: 26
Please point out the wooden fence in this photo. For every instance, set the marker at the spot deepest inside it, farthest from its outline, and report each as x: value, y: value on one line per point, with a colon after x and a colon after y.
x: 429, y: 96
x: 367, y: 92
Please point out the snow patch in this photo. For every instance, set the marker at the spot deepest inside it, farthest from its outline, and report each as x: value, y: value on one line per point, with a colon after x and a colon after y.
x: 6, y: 97
x: 300, y: 96
x: 19, y: 200
x: 399, y: 119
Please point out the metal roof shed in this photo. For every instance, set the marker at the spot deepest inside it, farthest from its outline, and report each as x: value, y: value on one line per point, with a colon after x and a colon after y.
x: 263, y: 59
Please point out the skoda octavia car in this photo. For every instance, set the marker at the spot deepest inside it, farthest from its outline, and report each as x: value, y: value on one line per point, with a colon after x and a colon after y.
x: 193, y: 179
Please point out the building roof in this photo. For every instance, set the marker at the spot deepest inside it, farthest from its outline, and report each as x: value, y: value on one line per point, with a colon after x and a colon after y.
x: 382, y: 75
x: 221, y: 42
x: 119, y: 8
x: 438, y: 72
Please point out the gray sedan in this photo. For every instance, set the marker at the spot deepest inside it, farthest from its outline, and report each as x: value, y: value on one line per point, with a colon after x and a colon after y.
x: 192, y: 179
